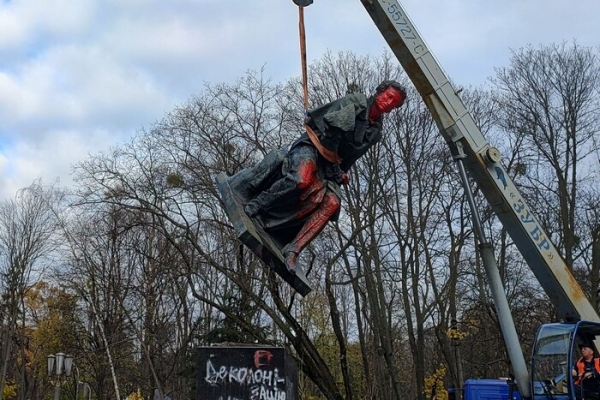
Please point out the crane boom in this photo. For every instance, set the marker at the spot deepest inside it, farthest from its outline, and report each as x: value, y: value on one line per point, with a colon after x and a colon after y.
x: 482, y: 161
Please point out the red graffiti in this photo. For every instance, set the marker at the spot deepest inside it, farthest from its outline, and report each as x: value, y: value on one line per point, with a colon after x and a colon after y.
x: 262, y: 358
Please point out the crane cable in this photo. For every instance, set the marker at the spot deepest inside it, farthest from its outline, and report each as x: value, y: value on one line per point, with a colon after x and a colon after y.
x: 327, y: 154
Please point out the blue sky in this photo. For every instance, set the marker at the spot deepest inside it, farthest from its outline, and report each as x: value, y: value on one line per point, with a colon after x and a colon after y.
x: 80, y: 76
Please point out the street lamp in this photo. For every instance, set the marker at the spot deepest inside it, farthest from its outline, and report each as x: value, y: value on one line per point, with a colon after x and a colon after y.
x: 64, y: 363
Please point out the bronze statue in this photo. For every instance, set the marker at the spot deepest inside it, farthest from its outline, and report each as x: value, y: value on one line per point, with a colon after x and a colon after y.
x: 291, y: 195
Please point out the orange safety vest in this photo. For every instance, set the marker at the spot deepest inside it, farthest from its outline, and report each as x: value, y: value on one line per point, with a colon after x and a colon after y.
x: 581, y: 368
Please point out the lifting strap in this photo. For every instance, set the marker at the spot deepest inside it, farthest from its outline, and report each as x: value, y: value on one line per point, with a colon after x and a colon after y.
x: 327, y: 154
x: 303, y: 55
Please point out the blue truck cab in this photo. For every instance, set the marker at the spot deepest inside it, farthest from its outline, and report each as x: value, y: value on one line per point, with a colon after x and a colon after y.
x: 554, y: 355
x: 490, y: 389
x: 501, y: 389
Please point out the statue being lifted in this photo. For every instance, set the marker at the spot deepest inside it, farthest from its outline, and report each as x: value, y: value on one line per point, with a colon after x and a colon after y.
x: 291, y: 195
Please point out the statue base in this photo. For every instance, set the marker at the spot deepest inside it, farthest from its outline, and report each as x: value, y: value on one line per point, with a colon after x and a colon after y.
x: 257, y: 240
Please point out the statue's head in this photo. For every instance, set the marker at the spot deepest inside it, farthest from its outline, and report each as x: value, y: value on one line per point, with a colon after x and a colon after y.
x: 389, y: 95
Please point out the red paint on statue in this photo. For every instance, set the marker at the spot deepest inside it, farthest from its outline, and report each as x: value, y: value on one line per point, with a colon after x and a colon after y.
x: 385, y: 102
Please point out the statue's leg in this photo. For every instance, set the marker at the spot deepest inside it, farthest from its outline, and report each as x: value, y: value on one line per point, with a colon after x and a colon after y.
x: 300, y: 175
x: 248, y: 182
x: 312, y: 227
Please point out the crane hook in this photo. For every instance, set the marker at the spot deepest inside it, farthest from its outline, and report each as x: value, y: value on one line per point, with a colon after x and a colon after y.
x: 303, y: 3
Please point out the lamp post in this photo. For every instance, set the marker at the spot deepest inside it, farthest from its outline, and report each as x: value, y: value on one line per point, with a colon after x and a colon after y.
x: 86, y: 389
x: 64, y: 364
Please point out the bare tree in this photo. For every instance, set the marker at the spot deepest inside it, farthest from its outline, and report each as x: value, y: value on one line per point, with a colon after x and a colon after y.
x: 26, y: 229
x: 548, y: 98
x: 167, y: 175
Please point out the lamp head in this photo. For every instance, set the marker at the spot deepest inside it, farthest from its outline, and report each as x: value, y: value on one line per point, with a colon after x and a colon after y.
x: 51, y: 360
x: 68, y: 364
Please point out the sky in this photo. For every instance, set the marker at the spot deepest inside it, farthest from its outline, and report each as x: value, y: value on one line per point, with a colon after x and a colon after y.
x: 79, y: 77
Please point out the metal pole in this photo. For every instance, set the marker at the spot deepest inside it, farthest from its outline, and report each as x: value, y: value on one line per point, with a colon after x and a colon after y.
x: 57, y: 389
x: 507, y: 324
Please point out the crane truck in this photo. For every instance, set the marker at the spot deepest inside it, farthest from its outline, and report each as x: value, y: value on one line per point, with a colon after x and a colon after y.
x: 548, y: 375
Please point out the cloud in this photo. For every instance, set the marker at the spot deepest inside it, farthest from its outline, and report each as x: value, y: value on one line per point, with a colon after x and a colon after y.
x: 27, y: 25
x: 75, y: 87
x: 76, y: 77
x: 51, y: 159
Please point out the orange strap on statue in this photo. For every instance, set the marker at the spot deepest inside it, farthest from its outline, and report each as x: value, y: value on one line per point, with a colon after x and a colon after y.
x: 327, y: 154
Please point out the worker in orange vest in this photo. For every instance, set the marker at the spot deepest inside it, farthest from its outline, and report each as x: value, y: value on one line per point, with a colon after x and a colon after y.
x: 586, y: 373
